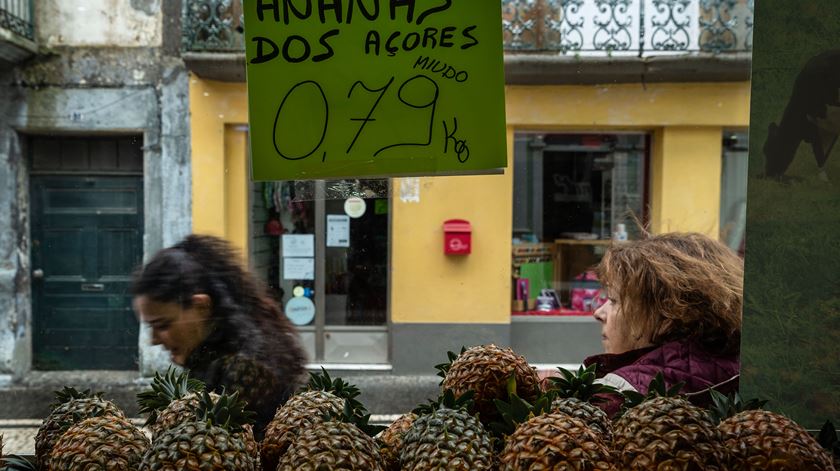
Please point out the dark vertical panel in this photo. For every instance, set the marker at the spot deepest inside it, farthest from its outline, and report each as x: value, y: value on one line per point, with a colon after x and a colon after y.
x: 103, y: 154
x: 74, y: 154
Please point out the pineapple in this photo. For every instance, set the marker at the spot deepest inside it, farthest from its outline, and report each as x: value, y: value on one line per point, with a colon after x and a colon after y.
x: 208, y: 442
x: 450, y: 439
x: 391, y: 440
x: 99, y: 443
x: 761, y: 440
x: 485, y: 369
x: 577, y: 394
x: 71, y: 407
x: 164, y: 400
x: 171, y: 400
x: 664, y: 431
x: 535, y: 437
x: 304, y: 410
x: 555, y: 441
x: 343, y: 441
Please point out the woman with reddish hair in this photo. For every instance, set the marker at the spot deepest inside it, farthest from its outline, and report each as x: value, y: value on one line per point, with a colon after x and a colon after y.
x: 673, y: 306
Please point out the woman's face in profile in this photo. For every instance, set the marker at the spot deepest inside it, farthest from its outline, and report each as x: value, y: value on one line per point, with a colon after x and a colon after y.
x: 180, y: 330
x: 615, y: 337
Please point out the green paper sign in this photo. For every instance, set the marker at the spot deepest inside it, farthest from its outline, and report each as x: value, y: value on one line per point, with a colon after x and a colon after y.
x: 365, y: 88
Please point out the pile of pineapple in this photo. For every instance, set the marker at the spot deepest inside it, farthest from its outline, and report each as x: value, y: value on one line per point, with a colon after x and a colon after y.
x: 493, y: 413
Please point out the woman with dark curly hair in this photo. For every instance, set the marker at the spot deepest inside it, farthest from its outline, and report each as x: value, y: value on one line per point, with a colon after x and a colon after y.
x: 673, y: 306
x: 217, y: 320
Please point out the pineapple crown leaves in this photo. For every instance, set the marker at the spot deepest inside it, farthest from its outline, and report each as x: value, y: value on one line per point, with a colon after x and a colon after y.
x: 355, y: 416
x: 443, y: 368
x: 322, y: 382
x: 447, y: 400
x: 165, y: 389
x: 67, y: 394
x: 580, y: 385
x: 724, y: 407
x: 338, y: 387
x: 77, y: 416
x: 829, y: 440
x: 16, y: 463
x: 657, y: 388
x: 518, y: 410
x: 227, y: 412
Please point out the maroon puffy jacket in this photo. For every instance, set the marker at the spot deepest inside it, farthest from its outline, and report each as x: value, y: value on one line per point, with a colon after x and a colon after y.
x: 679, y: 361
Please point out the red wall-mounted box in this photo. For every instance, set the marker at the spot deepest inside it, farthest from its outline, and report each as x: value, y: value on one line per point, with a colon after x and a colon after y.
x: 457, y: 237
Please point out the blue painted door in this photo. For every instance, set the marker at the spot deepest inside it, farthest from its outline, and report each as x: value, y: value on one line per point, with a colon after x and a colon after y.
x: 87, y: 238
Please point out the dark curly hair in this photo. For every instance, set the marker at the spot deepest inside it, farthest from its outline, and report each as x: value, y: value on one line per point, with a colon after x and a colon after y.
x: 204, y: 264
x: 207, y: 265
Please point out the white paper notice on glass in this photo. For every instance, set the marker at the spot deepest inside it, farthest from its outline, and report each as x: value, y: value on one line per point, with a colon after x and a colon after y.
x: 338, y: 230
x: 298, y: 245
x: 298, y: 268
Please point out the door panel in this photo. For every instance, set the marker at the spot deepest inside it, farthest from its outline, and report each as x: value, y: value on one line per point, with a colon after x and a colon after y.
x: 86, y: 241
x: 349, y: 288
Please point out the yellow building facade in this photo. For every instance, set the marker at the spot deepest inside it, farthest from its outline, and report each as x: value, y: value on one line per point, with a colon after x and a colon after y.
x: 438, y: 302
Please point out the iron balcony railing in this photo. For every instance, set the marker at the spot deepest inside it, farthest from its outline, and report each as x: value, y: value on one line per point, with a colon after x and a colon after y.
x: 628, y: 27
x: 16, y: 16
x: 581, y: 27
x: 212, y: 26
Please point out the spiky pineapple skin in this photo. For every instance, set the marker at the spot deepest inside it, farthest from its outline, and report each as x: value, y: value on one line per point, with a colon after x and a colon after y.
x: 181, y: 410
x: 763, y: 440
x: 332, y: 445
x: 592, y: 415
x: 300, y: 412
x: 197, y: 446
x: 485, y: 369
x: 391, y: 440
x: 99, y: 443
x: 555, y: 441
x: 447, y: 439
x: 668, y: 433
x: 177, y: 412
x: 62, y: 417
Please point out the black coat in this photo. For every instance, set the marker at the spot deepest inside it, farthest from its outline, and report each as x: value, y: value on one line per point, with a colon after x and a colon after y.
x: 258, y: 356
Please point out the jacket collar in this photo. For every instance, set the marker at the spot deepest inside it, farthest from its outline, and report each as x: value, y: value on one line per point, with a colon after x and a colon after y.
x: 608, y: 362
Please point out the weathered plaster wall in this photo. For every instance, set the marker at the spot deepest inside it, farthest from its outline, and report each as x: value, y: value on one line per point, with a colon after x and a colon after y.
x: 113, y: 23
x: 15, y: 341
x: 87, y: 91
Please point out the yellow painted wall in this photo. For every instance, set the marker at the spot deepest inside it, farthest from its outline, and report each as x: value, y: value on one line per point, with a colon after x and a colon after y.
x: 628, y: 106
x: 218, y: 111
x: 685, y: 188
x: 237, y: 182
x: 687, y: 118
x: 428, y: 287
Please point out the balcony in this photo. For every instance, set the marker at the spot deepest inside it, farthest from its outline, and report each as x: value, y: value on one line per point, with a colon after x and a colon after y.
x: 17, y: 30
x: 550, y: 41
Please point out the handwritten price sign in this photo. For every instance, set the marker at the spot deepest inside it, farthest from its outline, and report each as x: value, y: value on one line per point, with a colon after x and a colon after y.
x: 363, y: 88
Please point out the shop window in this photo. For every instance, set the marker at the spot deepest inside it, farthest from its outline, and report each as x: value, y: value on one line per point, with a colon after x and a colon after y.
x: 733, y: 189
x: 572, y: 194
x: 322, y: 247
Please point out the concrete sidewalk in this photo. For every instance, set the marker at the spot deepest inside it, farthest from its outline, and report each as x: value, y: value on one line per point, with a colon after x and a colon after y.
x: 27, y: 403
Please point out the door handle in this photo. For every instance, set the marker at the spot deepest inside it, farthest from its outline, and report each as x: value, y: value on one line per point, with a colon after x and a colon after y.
x: 93, y: 287
x: 37, y: 274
